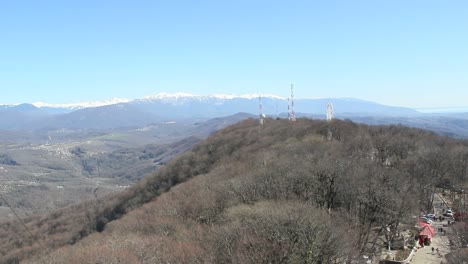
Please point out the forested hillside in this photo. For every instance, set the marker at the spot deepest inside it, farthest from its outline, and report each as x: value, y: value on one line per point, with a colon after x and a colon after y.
x: 308, y: 191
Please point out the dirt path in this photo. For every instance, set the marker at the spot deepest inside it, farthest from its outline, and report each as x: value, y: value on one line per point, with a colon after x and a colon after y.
x: 440, y: 241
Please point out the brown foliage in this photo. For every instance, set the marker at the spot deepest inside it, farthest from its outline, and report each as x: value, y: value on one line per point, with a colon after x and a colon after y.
x: 281, y: 193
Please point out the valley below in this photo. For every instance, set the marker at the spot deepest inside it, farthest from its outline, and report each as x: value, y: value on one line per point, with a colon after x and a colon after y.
x: 43, y: 171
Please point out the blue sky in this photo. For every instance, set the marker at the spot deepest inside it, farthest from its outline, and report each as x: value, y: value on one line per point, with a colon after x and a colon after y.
x: 404, y: 53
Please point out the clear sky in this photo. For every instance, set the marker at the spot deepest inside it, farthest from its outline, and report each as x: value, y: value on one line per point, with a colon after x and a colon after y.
x: 398, y: 52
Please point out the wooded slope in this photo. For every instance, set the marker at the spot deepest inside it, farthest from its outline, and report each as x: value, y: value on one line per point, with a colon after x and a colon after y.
x: 304, y: 192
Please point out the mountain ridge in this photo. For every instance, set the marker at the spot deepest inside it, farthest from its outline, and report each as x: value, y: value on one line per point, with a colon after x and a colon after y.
x: 171, y: 97
x: 180, y: 97
x: 189, y: 108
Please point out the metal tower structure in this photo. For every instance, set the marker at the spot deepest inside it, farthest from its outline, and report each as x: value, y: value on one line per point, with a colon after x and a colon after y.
x: 292, y: 113
x: 260, y: 111
x: 330, y: 113
x: 329, y: 117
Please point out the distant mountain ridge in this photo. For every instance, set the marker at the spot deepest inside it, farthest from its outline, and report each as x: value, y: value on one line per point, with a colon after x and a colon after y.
x: 62, y: 107
x: 177, y: 96
x: 342, y: 105
x: 209, y: 106
x: 184, y: 107
x: 75, y: 106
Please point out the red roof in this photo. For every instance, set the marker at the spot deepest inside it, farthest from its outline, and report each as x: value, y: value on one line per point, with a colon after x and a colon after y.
x: 427, y: 230
x: 423, y: 224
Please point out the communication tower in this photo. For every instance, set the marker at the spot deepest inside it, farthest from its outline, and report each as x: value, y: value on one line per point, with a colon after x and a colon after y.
x: 330, y: 113
x: 260, y: 110
x: 292, y: 113
x: 330, y: 116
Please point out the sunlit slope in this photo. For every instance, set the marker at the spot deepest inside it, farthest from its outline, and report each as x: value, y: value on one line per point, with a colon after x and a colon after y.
x: 285, y: 192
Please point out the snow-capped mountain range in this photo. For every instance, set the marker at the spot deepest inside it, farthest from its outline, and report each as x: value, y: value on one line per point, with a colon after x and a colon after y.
x: 178, y: 96
x: 189, y: 105
x: 160, y: 97
x: 82, y: 104
x: 183, y: 98
x: 189, y: 108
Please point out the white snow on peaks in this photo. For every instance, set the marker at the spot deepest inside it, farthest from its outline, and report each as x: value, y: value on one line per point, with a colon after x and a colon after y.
x: 160, y: 96
x: 172, y: 98
x: 176, y: 96
x: 83, y: 104
x: 245, y: 96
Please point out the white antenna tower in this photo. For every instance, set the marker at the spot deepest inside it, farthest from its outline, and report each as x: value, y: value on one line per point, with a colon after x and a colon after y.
x: 330, y: 116
x: 292, y: 114
x: 260, y: 110
x: 330, y: 112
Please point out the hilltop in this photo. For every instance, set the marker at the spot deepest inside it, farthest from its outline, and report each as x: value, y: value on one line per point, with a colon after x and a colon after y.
x: 284, y: 192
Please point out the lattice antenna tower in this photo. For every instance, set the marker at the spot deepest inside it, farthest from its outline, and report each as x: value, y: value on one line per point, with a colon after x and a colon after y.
x: 260, y: 111
x: 330, y: 116
x: 292, y: 115
x: 330, y: 112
